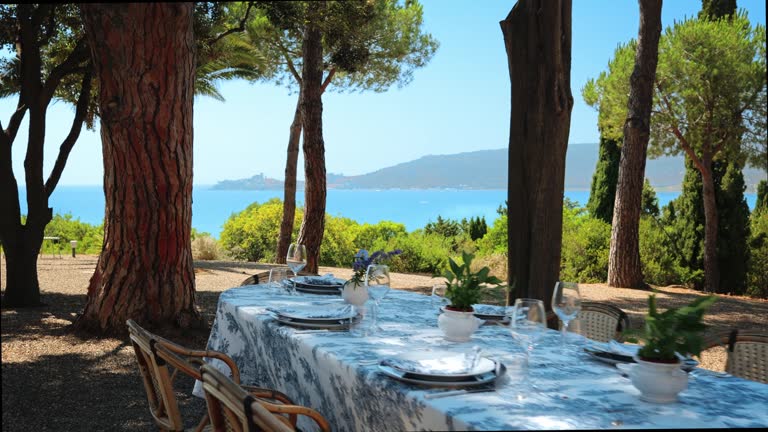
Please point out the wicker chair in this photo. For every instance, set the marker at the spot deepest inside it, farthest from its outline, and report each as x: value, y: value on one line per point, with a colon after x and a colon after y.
x: 156, y: 356
x: 231, y: 408
x: 747, y: 352
x: 602, y: 322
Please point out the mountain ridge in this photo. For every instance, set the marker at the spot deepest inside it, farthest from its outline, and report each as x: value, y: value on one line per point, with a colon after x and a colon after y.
x: 482, y: 169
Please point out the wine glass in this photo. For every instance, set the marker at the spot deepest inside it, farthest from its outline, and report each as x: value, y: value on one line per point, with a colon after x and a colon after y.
x: 527, y: 324
x: 276, y: 277
x: 438, y: 298
x: 377, y: 281
x: 296, y: 260
x: 566, y: 302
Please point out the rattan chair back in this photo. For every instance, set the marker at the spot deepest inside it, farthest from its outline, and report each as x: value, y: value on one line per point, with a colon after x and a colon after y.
x: 157, y: 380
x: 748, y: 355
x: 602, y: 322
x: 232, y: 408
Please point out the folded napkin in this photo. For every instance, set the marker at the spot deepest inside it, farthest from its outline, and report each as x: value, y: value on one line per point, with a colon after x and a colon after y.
x: 483, y: 309
x: 619, y: 348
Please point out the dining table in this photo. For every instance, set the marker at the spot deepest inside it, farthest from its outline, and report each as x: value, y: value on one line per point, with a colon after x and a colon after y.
x: 338, y: 374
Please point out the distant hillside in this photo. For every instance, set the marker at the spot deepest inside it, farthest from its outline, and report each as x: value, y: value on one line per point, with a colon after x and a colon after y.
x: 484, y: 169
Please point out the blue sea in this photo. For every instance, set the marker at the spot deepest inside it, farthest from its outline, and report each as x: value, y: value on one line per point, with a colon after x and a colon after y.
x: 413, y: 208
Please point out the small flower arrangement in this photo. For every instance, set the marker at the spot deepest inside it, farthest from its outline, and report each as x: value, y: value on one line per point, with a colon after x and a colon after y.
x: 363, y: 260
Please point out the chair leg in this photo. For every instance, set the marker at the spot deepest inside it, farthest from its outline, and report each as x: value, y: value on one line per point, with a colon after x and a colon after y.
x: 203, y: 423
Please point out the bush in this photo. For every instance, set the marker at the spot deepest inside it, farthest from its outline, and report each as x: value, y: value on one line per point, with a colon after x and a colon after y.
x: 89, y: 237
x: 205, y: 247
x: 757, y: 276
x: 338, y: 247
x: 252, y: 233
x: 494, y: 242
x: 586, y: 245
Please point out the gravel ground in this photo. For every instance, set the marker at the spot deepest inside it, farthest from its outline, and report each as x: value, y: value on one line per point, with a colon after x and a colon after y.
x: 55, y: 380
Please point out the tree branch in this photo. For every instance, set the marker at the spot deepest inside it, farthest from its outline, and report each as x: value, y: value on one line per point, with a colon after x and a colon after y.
x: 239, y: 28
x: 15, y: 121
x: 328, y: 79
x: 288, y: 60
x: 78, y: 55
x: 74, y: 133
x: 676, y: 131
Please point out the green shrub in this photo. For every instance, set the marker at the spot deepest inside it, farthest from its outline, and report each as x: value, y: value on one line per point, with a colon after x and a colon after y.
x: 586, y: 245
x: 494, y: 242
x: 757, y: 276
x: 252, y: 233
x: 338, y: 247
x: 89, y: 237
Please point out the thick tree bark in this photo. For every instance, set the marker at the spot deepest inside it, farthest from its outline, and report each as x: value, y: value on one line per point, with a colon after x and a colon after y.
x: 145, y: 60
x: 624, y: 268
x: 313, y: 224
x: 537, y: 36
x: 711, y: 268
x: 289, y: 197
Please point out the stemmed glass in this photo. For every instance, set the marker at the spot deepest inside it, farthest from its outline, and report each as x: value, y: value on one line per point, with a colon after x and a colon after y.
x: 377, y: 281
x: 566, y: 302
x: 296, y: 260
x: 528, y: 323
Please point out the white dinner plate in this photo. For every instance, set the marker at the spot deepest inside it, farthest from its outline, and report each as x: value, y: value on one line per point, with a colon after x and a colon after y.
x: 314, y: 313
x: 442, y: 366
x: 335, y: 325
x: 477, y: 380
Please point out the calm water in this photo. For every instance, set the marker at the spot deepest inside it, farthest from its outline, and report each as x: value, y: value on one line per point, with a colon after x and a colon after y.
x: 414, y: 208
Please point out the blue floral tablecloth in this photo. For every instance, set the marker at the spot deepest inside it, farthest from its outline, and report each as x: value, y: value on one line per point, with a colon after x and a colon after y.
x: 335, y: 373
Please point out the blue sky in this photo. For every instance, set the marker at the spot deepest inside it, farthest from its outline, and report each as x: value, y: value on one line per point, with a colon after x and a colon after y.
x: 459, y: 102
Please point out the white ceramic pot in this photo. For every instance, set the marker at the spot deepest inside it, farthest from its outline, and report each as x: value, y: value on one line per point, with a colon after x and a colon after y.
x: 458, y: 326
x: 658, y: 382
x: 354, y: 294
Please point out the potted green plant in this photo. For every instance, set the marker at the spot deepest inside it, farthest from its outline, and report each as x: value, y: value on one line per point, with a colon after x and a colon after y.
x: 667, y: 337
x: 463, y: 289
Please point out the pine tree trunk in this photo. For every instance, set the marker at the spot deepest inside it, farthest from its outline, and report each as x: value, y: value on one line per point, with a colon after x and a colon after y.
x: 289, y: 198
x: 145, y: 60
x: 711, y: 270
x: 537, y: 36
x: 313, y: 224
x: 624, y: 269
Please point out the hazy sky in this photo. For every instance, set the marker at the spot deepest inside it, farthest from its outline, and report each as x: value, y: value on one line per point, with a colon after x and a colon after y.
x: 459, y: 102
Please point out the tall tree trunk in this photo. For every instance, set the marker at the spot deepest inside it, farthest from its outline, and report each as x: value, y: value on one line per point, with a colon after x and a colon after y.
x: 537, y: 36
x: 624, y: 268
x: 711, y: 270
x: 289, y: 197
x: 22, y: 242
x: 145, y: 60
x: 313, y: 224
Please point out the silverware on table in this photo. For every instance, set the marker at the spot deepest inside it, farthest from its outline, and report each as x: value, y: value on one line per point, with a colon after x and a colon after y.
x: 457, y: 392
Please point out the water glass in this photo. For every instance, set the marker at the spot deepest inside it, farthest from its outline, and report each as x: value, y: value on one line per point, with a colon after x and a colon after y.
x: 528, y: 323
x: 438, y: 298
x: 377, y: 281
x: 277, y: 275
x: 566, y: 302
x: 296, y: 261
